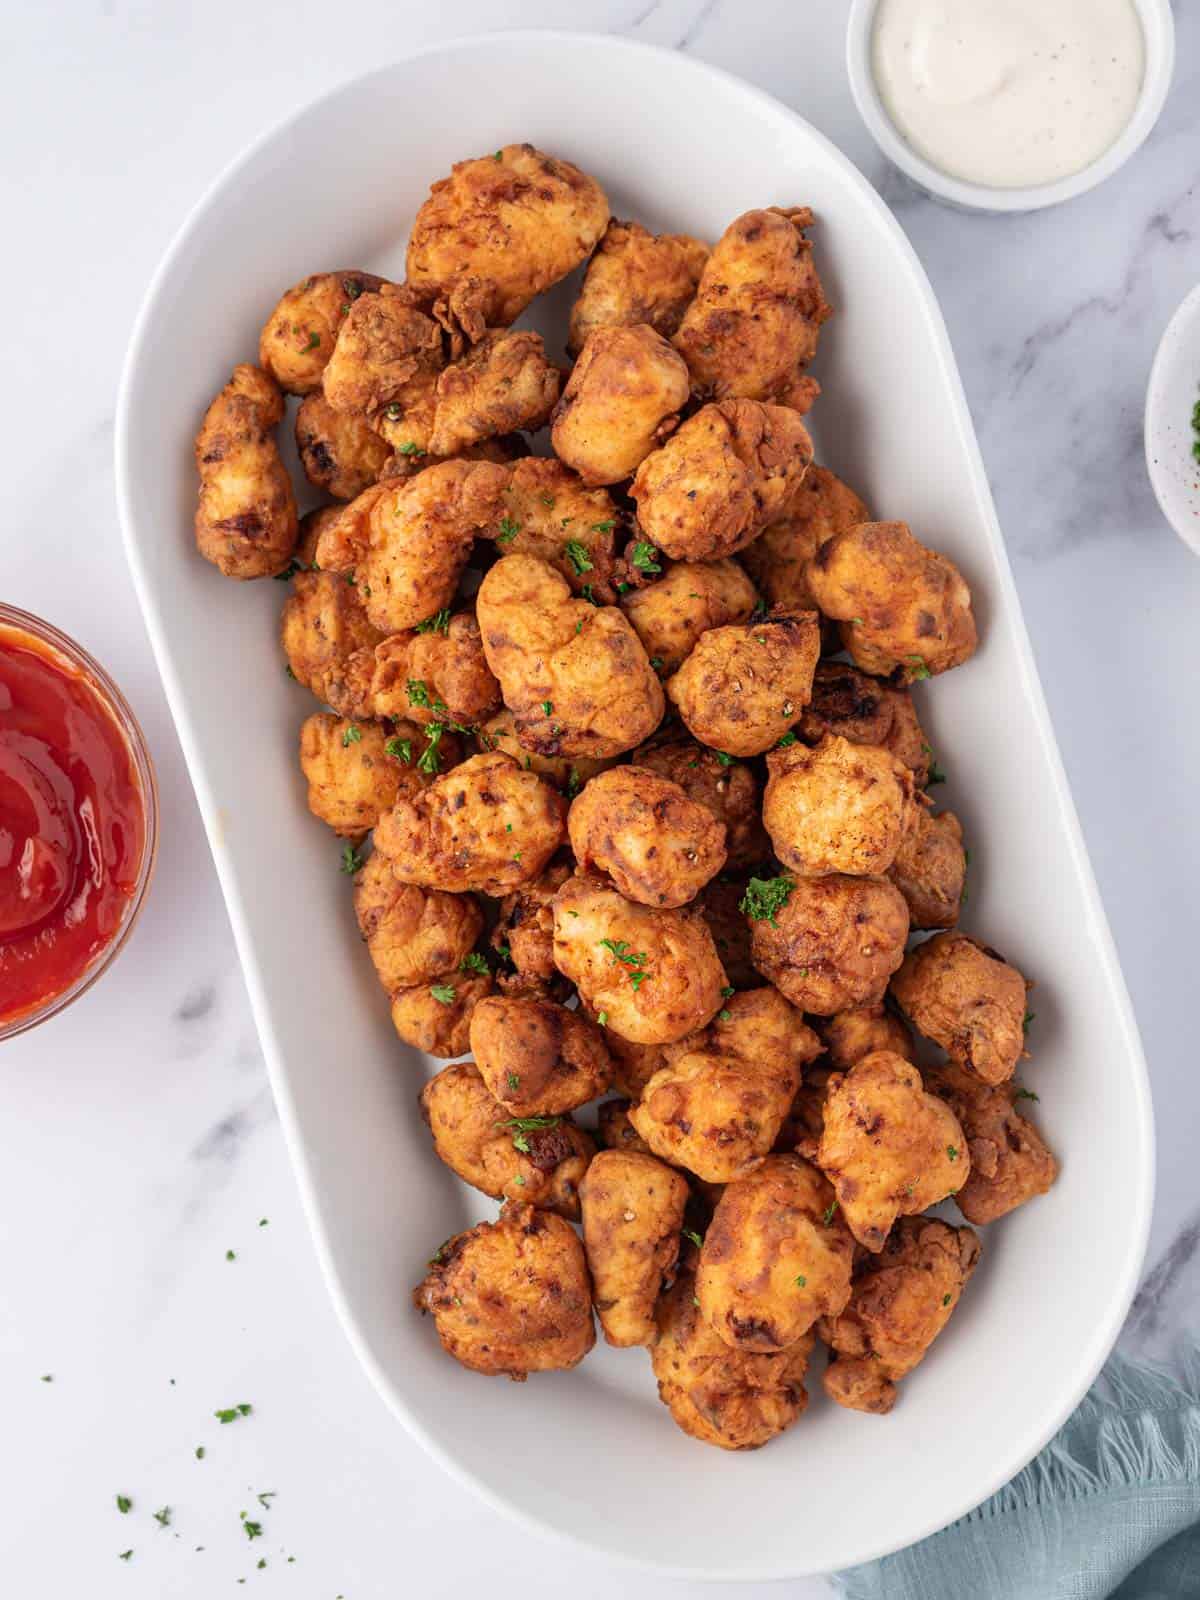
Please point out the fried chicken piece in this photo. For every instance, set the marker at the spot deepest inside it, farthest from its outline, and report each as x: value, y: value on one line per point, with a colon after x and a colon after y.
x: 512, y: 1296
x: 774, y: 1258
x: 246, y: 521
x: 866, y: 711
x: 406, y: 545
x: 615, y: 1131
x: 435, y: 673
x: 485, y: 825
x: 326, y: 637
x: 659, y: 847
x: 717, y: 1394
x: 671, y: 614
x: 385, y: 365
x: 719, y: 903
x: 298, y: 337
x: 1010, y: 1162
x: 536, y: 1057
x: 549, y: 513
x: 822, y: 506
x: 575, y: 677
x: 753, y: 326
x: 502, y: 384
x: 413, y: 935
x: 567, y: 773
x: 743, y: 687
x: 717, y: 1105
x: 649, y: 975
x: 727, y: 789
x: 850, y: 1035
x: 832, y: 943
x: 901, y: 1300
x: 633, y: 1064
x: 621, y: 401
x: 636, y: 276
x: 536, y: 1158
x: 435, y: 1018
x: 524, y: 929
x: 904, y: 610
x: 339, y: 452
x: 930, y: 868
x: 838, y: 807
x: 501, y: 229
x: 721, y: 478
x: 352, y: 778
x: 632, y: 1213
x: 965, y: 997
x: 889, y: 1148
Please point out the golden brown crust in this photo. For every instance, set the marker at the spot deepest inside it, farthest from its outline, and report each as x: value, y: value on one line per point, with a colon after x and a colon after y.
x: 901, y: 1300
x: 524, y: 931
x: 339, y: 452
x: 777, y: 560
x: 352, y: 779
x: 721, y: 478
x: 930, y: 868
x: 385, y: 365
x: 502, y: 384
x: 838, y: 807
x: 536, y: 1057
x: 965, y: 997
x: 246, y: 522
x: 326, y: 635
x: 889, y: 1148
x: 742, y: 688
x: 621, y: 401
x: 603, y: 942
x: 904, y: 610
x: 865, y: 710
x: 636, y: 276
x: 437, y: 674
x: 1010, y: 1162
x: 436, y: 1017
x: 550, y: 514
x: 670, y: 614
x: 632, y: 1213
x: 834, y: 944
x: 771, y: 1263
x: 727, y: 789
x: 615, y: 1131
x: 485, y: 825
x: 720, y: 1395
x: 575, y: 676
x: 414, y: 936
x: 659, y: 847
x: 406, y: 544
x: 512, y: 1296
x: 753, y: 326
x: 501, y: 229
x: 299, y: 336
x: 850, y: 1035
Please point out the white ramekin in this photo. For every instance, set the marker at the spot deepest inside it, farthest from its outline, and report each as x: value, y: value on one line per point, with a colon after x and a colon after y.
x: 1159, y: 28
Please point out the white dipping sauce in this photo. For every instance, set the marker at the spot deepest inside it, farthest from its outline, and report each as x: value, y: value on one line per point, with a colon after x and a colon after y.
x: 1009, y: 93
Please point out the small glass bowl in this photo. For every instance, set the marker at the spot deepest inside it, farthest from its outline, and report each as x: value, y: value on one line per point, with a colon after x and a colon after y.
x: 14, y: 620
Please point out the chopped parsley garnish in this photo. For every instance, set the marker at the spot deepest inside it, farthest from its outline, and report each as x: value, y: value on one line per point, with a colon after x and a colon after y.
x: 199, y: 1452
x: 523, y: 1126
x: 508, y: 530
x: 548, y: 500
x: 765, y: 898
x: 264, y: 1499
x: 351, y: 288
x: 410, y: 447
x: 1025, y: 1094
x: 401, y: 749
x: 430, y: 759
x: 724, y: 1015
x: 788, y: 738
x: 499, y: 156
x: 514, y: 1080
x: 696, y: 1238
x: 727, y: 991
x: 828, y: 1213
x: 351, y: 860
x: 1026, y: 1020
x: 656, y: 662
x: 473, y: 963
x: 573, y: 784
x: 47, y: 1377
x: 314, y: 340
x: 443, y: 993
x: 231, y: 1255
x: 602, y: 1018
x: 919, y: 669
x: 952, y: 1152
x: 394, y: 412
x: 936, y: 775
x: 351, y: 735
x: 232, y: 1413
x: 418, y: 693
x: 439, y: 622
x: 620, y: 951
x: 124, y: 1504
x: 606, y: 526
x: 576, y: 553
x: 163, y: 1516
x: 643, y: 556
x: 945, y: 1299
x: 253, y: 1529
x: 1196, y: 430
x: 758, y: 612
x: 547, y: 707
x: 726, y: 761
x: 801, y: 1281
x: 125, y: 1555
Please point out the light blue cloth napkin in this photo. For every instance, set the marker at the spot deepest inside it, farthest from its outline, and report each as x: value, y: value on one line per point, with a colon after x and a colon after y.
x: 1110, y: 1510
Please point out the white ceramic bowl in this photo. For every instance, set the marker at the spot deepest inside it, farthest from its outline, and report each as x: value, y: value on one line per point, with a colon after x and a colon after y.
x: 591, y: 1455
x: 1171, y: 397
x: 1159, y: 28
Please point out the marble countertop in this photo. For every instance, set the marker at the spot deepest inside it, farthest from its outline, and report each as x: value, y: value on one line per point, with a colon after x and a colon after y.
x: 138, y: 1140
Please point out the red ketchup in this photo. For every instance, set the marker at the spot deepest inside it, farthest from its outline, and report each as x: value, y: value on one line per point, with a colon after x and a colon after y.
x: 72, y: 824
